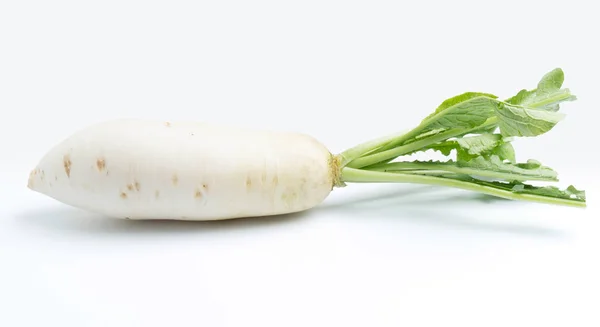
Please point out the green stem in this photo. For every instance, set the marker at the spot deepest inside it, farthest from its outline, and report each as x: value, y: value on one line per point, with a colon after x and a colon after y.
x: 361, y: 149
x: 399, y: 166
x: 403, y: 149
x: 384, y: 155
x: 352, y: 175
x: 405, y: 137
x: 389, y: 147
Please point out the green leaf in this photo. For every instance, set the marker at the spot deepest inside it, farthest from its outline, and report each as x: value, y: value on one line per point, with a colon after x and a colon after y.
x: 530, y: 164
x: 520, y: 121
x: 473, y: 146
x: 485, y: 144
x: 486, y: 129
x: 476, y: 145
x: 551, y: 82
x: 505, y: 151
x: 466, y: 114
x: 448, y: 103
x: 548, y: 94
x: 550, y: 101
x: 460, y: 114
x: 570, y: 192
x: 510, y: 171
x: 523, y: 97
x: 478, y: 112
x: 444, y: 148
x: 478, y: 127
x: 550, y: 192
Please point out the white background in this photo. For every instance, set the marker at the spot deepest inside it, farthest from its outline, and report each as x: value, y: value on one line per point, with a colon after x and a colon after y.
x: 344, y: 72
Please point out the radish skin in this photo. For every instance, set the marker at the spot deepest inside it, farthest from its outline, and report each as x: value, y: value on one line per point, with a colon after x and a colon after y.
x: 144, y: 169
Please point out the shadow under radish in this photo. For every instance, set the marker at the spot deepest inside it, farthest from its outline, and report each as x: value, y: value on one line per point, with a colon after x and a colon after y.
x: 453, y: 209
x: 74, y: 220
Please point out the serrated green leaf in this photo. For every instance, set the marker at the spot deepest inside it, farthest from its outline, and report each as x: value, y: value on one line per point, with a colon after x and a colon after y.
x: 489, y: 167
x: 506, y: 152
x: 521, y: 172
x: 475, y: 145
x: 570, y: 193
x: 444, y: 148
x: 530, y: 164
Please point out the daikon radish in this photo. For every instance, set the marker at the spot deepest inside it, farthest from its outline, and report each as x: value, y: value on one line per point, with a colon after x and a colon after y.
x: 143, y: 169
x: 146, y: 169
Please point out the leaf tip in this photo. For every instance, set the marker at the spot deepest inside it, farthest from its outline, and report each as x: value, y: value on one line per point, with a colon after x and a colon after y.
x: 552, y: 80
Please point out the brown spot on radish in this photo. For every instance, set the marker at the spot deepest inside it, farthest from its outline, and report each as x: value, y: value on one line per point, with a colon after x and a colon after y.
x: 198, y: 194
x: 175, y: 179
x: 133, y: 186
x: 168, y: 124
x: 248, y: 183
x: 275, y: 180
x: 100, y: 164
x: 123, y: 195
x: 55, y: 177
x: 157, y: 194
x: 263, y: 177
x: 67, y: 164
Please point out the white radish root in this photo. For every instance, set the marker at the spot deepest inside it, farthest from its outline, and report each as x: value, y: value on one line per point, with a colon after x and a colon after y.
x: 143, y: 169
